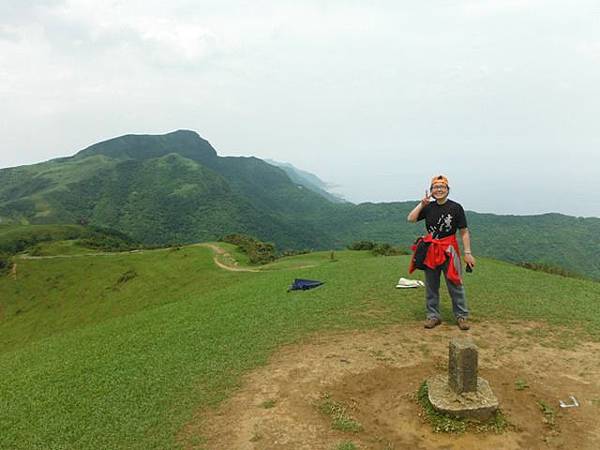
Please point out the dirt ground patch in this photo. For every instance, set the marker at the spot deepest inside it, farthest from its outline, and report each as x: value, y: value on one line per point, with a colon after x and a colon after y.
x: 376, y: 374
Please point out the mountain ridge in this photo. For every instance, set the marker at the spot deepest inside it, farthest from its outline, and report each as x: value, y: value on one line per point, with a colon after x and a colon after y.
x: 185, y: 142
x: 308, y: 180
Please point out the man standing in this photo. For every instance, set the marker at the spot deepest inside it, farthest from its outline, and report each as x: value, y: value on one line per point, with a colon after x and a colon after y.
x: 443, y: 218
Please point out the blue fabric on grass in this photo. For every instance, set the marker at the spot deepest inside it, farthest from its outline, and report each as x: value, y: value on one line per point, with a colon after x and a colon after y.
x: 301, y: 284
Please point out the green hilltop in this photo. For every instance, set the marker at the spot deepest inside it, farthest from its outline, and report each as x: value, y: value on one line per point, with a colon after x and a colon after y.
x: 175, y: 188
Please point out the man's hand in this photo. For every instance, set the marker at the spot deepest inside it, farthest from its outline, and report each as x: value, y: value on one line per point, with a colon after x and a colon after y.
x: 414, y: 214
x: 427, y: 199
x: 469, y: 259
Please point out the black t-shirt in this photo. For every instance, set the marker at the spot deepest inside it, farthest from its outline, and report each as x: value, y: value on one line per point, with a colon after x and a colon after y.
x: 443, y: 220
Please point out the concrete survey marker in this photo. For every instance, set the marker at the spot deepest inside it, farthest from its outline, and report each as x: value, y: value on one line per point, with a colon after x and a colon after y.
x: 462, y: 393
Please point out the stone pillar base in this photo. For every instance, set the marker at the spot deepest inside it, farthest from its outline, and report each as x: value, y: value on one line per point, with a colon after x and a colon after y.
x: 479, y: 405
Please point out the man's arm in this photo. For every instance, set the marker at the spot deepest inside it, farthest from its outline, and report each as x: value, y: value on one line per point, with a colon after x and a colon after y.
x: 414, y: 214
x: 466, y: 239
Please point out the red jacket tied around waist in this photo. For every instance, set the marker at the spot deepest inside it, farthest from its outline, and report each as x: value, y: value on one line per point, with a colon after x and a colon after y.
x: 440, y: 250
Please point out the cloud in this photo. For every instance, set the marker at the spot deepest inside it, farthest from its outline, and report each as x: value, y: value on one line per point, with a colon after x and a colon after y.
x: 589, y: 49
x: 171, y: 40
x: 19, y: 12
x: 349, y: 89
x: 176, y: 33
x: 482, y: 8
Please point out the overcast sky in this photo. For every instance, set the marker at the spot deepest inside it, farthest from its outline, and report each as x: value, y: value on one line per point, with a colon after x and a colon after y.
x: 374, y: 97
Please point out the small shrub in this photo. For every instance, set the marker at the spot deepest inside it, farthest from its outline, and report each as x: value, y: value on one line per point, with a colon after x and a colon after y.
x: 521, y: 384
x: 378, y: 248
x: 362, y: 245
x: 267, y: 404
x: 258, y: 252
x: 126, y: 276
x: 295, y: 252
x: 5, y: 263
x: 346, y: 446
x: 386, y: 249
x: 36, y: 250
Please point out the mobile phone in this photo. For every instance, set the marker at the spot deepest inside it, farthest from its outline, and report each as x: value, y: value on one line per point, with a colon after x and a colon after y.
x: 469, y: 268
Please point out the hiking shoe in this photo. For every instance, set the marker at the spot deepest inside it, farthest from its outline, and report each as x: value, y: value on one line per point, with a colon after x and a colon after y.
x: 462, y: 323
x: 432, y: 323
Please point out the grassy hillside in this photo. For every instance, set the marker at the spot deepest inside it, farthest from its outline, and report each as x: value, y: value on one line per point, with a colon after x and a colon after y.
x: 19, y: 238
x: 117, y: 351
x: 15, y: 238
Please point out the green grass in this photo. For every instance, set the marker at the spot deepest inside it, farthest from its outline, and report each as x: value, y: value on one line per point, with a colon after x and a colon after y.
x: 129, y: 379
x: 340, y: 414
x: 53, y: 248
x: 440, y: 423
x: 94, y: 357
x: 15, y: 238
x: 52, y: 296
x: 521, y: 385
x: 267, y: 404
x: 63, y: 239
x: 549, y: 414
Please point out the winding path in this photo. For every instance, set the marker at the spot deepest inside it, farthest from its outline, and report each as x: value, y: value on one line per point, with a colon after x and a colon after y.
x: 223, y: 253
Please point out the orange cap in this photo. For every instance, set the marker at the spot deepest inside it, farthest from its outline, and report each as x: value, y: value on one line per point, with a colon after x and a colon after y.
x: 440, y: 179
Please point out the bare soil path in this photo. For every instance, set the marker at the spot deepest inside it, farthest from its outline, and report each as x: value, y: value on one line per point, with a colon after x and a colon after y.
x: 224, y: 260
x: 377, y: 372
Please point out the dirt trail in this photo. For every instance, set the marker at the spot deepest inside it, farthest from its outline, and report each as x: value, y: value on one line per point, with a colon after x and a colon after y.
x: 378, y: 372
x: 220, y: 252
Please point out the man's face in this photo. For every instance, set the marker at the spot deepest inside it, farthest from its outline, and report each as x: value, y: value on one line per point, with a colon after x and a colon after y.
x: 439, y: 191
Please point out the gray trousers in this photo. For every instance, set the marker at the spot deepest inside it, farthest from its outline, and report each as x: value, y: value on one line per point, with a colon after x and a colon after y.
x: 432, y: 293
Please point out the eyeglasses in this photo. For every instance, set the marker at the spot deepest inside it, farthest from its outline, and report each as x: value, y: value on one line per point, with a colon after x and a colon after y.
x: 439, y: 188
